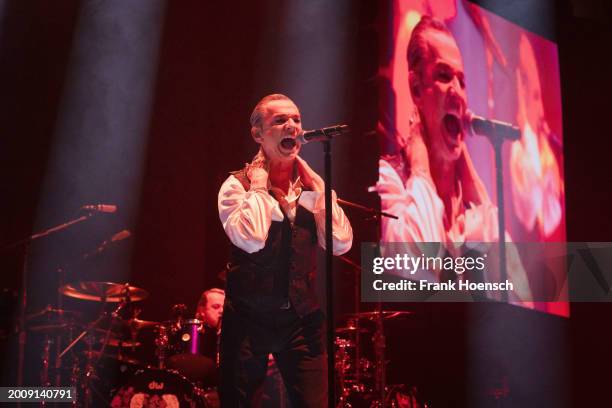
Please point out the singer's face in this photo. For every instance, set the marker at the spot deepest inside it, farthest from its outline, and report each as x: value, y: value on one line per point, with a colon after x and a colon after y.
x: 442, y: 99
x: 281, y: 121
x: 213, y: 311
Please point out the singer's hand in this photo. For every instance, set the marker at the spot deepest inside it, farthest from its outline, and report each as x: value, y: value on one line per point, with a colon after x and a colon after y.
x: 257, y: 172
x: 473, y: 188
x: 414, y: 150
x: 310, y: 179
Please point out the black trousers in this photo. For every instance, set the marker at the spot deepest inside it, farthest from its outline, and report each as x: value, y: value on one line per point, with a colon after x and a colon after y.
x: 297, y: 344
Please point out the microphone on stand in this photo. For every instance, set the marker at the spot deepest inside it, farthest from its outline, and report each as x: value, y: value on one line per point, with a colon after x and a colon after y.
x: 103, y: 208
x: 323, y: 134
x: 120, y: 236
x: 477, y: 125
x: 317, y: 135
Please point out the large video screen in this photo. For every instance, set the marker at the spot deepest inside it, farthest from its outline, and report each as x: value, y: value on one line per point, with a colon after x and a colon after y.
x: 458, y: 80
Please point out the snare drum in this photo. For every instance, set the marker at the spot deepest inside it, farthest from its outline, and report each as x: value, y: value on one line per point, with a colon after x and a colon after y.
x: 153, y: 387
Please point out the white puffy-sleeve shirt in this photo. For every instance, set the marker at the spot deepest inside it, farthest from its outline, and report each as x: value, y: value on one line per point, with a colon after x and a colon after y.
x: 247, y: 215
x: 421, y: 219
x: 421, y: 212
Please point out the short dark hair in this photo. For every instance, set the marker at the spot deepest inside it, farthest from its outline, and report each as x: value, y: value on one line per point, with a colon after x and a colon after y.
x: 418, y: 48
x: 258, y: 112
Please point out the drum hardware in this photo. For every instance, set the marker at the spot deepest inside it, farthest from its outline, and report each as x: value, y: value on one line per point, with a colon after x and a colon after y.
x: 361, y: 381
x: 46, y: 354
x: 403, y: 396
x: 52, y: 321
x: 178, y: 312
x: 96, y: 355
x: 56, y: 323
x: 385, y: 314
x: 93, y: 327
x: 349, y: 330
x: 137, y: 324
x: 49, y: 313
x: 24, y: 244
x: 162, y: 343
x: 92, y: 333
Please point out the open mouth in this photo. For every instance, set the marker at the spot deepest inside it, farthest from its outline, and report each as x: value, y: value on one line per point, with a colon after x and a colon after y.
x: 288, y: 143
x: 453, y: 128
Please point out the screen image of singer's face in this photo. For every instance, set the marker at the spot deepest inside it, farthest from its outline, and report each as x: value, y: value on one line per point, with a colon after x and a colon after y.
x: 439, y: 94
x: 280, y: 121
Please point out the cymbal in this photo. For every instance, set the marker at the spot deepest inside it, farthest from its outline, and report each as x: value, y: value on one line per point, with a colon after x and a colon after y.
x: 351, y: 329
x: 103, y: 291
x: 386, y: 314
x: 49, y: 313
x: 51, y: 320
x: 137, y: 324
x: 114, y: 338
x: 115, y: 342
x: 52, y: 328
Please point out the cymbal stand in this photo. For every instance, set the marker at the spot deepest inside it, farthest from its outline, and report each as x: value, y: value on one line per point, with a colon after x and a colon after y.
x: 44, y: 372
x: 90, y: 376
x: 61, y: 275
x: 379, y: 335
x: 379, y: 350
x: 340, y: 357
x: 356, y: 306
x: 89, y: 373
x: 74, y: 378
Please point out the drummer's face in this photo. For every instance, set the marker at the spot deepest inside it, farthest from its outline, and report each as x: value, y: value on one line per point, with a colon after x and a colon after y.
x: 214, y: 309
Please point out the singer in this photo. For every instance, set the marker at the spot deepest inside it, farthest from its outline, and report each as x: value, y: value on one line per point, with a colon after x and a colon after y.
x: 273, y: 212
x: 432, y: 184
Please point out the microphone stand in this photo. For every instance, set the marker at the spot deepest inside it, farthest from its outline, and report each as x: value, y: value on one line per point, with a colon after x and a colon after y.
x: 498, y: 142
x: 329, y: 253
x: 23, y: 303
x: 497, y: 132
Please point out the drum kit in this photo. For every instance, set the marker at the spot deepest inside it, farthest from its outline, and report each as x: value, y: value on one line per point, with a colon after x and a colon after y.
x: 99, y: 357
x: 360, y: 364
x: 99, y: 360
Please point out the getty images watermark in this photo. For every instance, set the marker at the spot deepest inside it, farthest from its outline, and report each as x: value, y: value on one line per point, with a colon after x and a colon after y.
x: 542, y: 272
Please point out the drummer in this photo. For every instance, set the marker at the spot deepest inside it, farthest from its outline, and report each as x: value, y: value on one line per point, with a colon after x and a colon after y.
x: 210, y: 308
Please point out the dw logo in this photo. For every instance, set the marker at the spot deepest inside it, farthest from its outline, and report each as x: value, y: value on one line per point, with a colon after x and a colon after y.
x: 154, y: 385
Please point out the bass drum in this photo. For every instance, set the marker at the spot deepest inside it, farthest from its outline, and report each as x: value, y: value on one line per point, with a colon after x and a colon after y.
x: 153, y: 387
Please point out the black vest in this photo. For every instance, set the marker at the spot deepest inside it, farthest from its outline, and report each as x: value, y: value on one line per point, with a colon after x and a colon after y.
x: 285, y: 269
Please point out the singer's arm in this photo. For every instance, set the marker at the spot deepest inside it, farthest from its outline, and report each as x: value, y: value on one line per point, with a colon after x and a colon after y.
x: 342, y: 234
x: 314, y: 201
x: 247, y: 215
x: 474, y: 190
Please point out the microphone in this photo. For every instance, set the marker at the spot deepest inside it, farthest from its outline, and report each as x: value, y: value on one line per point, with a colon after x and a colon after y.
x: 321, y: 135
x: 490, y: 127
x: 103, y: 208
x: 120, y: 236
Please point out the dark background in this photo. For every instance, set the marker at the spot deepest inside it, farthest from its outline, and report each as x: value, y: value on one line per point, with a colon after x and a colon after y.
x: 215, y: 61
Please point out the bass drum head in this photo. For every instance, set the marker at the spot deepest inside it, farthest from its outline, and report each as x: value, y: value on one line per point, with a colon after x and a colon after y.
x: 200, y: 370
x: 153, y: 387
